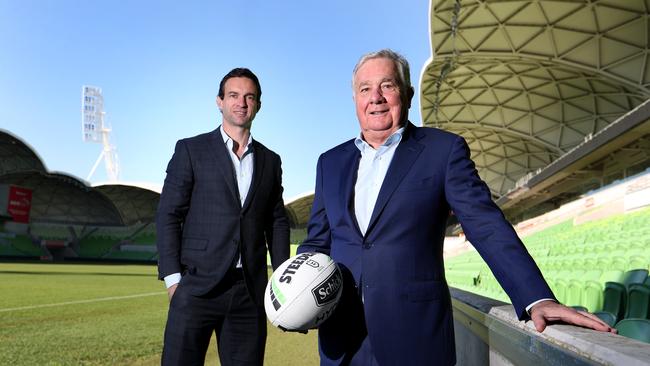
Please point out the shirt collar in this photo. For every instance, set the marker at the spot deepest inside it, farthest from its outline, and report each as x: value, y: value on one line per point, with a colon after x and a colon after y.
x: 391, y: 141
x: 229, y: 142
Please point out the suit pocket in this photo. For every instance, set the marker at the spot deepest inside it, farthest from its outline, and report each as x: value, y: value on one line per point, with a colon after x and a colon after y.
x: 417, y: 184
x: 425, y: 290
x: 195, y: 244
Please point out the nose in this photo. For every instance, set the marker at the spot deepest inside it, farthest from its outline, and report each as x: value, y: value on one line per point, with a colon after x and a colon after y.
x: 376, y: 96
x: 242, y: 102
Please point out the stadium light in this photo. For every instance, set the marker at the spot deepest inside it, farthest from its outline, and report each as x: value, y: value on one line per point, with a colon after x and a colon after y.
x: 95, y: 129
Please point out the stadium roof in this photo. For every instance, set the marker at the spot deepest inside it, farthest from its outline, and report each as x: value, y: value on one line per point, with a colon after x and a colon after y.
x: 298, y: 209
x: 620, y: 150
x: 135, y: 204
x: 524, y: 82
x: 16, y: 155
x: 61, y: 198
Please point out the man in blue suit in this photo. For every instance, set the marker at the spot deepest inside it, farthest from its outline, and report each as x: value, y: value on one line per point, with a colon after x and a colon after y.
x: 220, y: 208
x: 380, y: 207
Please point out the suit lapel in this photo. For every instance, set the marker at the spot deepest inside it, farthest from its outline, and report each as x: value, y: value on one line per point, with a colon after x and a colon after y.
x: 258, y: 168
x: 224, y: 163
x: 405, y: 155
x: 350, y: 168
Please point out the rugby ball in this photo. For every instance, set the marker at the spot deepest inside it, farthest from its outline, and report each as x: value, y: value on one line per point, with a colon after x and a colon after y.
x: 303, y: 292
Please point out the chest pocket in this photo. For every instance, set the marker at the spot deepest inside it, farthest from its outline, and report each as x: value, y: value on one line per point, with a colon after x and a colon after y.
x: 418, y: 184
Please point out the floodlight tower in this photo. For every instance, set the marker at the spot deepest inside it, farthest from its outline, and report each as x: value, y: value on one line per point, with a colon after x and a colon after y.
x: 95, y: 129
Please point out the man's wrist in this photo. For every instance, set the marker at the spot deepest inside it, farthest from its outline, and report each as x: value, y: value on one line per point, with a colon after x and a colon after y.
x: 530, y: 307
x: 172, y: 279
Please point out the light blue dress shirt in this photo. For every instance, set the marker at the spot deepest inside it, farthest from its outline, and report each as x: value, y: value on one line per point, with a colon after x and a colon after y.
x: 244, y: 174
x: 373, y: 166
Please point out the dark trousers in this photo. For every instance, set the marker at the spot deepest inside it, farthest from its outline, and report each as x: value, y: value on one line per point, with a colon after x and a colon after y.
x: 229, y: 312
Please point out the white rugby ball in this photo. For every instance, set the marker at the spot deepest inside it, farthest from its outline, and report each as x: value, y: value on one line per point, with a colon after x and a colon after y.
x: 303, y: 291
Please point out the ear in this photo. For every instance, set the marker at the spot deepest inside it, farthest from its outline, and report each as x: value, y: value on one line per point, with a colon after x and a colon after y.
x: 409, y: 96
x: 220, y: 104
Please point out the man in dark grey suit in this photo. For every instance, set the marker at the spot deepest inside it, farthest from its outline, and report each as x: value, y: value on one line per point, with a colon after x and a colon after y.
x: 220, y: 208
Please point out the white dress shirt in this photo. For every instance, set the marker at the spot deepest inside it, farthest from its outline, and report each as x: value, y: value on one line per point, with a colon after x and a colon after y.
x: 244, y: 174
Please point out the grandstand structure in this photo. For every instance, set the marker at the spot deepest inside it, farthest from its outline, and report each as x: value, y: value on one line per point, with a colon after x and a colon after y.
x: 71, y: 220
x: 553, y: 98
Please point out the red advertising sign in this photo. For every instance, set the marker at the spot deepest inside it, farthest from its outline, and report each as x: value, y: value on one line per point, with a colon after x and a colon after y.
x: 20, y: 203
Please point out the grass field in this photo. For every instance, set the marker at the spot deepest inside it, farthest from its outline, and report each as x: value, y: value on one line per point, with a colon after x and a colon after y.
x: 77, y: 314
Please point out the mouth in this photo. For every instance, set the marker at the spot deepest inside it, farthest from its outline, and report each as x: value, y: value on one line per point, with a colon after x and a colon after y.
x: 378, y: 113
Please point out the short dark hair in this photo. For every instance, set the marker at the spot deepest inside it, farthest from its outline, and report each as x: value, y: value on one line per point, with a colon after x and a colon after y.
x: 240, y: 72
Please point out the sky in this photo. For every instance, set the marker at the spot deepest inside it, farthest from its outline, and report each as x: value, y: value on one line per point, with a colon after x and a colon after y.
x: 159, y: 63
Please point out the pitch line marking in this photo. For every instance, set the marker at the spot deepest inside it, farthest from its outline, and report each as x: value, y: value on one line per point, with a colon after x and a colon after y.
x: 82, y: 301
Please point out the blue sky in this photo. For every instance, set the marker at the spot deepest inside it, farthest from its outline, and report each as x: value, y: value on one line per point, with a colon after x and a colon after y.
x: 159, y: 64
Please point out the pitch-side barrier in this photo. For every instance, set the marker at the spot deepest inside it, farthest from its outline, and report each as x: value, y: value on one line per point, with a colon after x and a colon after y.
x: 489, y: 333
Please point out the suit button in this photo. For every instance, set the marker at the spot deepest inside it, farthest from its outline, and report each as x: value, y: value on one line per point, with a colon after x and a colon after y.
x: 367, y: 245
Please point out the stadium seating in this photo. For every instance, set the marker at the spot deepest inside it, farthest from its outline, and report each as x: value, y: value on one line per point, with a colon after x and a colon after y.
x: 600, y: 265
x: 638, y: 301
x: 614, y: 299
x: 21, y: 245
x: 635, y: 328
x: 607, y: 317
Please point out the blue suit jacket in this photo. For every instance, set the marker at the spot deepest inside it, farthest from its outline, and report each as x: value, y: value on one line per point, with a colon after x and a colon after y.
x: 406, y: 310
x: 202, y: 226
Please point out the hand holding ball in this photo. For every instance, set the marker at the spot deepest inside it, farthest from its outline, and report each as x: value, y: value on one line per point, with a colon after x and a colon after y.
x: 303, y: 292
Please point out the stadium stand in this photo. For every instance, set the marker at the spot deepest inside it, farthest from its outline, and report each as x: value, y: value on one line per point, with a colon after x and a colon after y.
x: 638, y: 329
x: 600, y: 264
x: 19, y: 246
x: 97, y: 245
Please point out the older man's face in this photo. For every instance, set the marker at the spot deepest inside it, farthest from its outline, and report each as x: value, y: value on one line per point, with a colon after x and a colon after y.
x: 377, y: 97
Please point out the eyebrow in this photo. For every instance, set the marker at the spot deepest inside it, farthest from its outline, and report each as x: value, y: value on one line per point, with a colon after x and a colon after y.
x: 380, y: 81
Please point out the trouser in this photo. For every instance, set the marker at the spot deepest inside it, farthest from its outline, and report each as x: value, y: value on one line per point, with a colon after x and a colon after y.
x: 229, y: 312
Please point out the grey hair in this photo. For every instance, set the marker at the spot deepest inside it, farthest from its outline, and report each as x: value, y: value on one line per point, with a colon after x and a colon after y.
x: 403, y: 71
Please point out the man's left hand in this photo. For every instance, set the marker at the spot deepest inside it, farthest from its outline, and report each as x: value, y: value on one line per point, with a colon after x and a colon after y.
x: 545, y: 312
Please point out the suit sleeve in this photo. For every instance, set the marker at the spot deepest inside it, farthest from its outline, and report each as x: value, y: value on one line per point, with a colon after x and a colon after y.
x: 277, y: 231
x: 318, y: 229
x: 172, y: 209
x: 491, y: 234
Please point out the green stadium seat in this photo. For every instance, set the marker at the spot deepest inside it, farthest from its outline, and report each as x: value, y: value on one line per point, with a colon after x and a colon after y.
x: 611, y: 276
x: 634, y: 328
x: 635, y: 276
x: 560, y: 290
x: 584, y: 289
x: 574, y: 293
x: 614, y: 299
x: 607, y: 317
x: 638, y: 258
x: 592, y: 295
x: 638, y: 301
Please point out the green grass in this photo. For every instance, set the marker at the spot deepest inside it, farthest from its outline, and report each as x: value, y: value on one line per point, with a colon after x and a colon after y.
x: 74, y: 314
